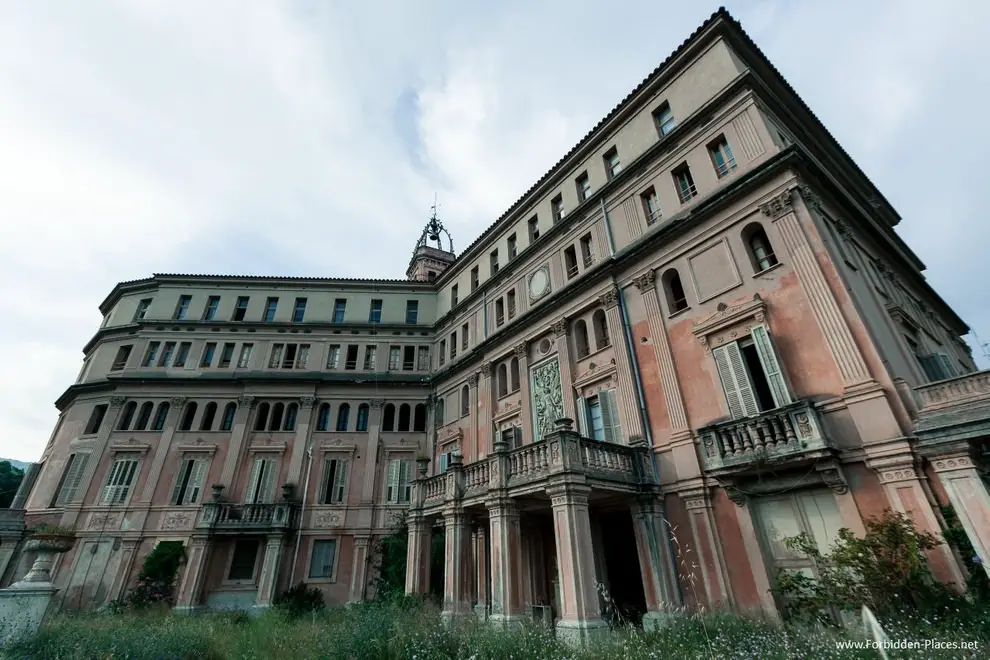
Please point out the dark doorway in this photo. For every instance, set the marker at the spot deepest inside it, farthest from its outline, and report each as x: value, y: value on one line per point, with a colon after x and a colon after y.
x: 625, y: 582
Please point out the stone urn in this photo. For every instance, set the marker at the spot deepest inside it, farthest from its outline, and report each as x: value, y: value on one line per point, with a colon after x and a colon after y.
x: 46, y: 546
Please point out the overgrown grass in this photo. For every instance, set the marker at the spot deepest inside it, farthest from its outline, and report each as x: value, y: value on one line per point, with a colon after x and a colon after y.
x: 402, y: 630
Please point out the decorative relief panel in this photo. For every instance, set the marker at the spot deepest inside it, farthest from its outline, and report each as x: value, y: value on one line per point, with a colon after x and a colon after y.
x: 324, y: 519
x: 176, y: 520
x: 538, y: 283
x: 547, y: 399
x: 713, y: 271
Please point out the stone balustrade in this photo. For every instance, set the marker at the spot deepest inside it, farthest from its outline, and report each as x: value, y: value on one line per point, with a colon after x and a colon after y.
x: 960, y: 391
x: 226, y: 517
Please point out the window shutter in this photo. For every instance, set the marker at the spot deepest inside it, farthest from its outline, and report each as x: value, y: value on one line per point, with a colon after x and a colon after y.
x: 516, y: 437
x: 340, y: 488
x: 735, y: 381
x: 392, y: 483
x: 250, y: 493
x: 771, y: 366
x: 326, y: 482
x: 610, y: 416
x: 268, y: 481
x: 177, y: 488
x: 948, y: 369
x: 405, y: 490
x: 77, y: 465
x: 196, y: 479
x: 444, y: 460
x: 582, y: 420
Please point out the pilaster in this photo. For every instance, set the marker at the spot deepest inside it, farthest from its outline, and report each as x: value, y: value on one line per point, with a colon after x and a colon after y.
x: 562, y: 331
x: 707, y: 549
x: 359, y: 569
x: 238, y: 435
x: 457, y: 573
x: 175, y: 410
x: 522, y: 354
x: 484, y: 428
x: 968, y: 495
x: 506, y: 547
x: 372, y: 451
x: 628, y: 400
x: 304, y: 422
x: 473, y: 381
x: 90, y: 489
x: 268, y: 581
x: 655, y: 563
x: 128, y: 553
x: 194, y: 575
x: 481, y: 590
x: 418, y: 555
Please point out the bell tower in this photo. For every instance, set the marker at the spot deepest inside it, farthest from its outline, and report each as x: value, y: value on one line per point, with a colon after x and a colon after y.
x: 430, y: 258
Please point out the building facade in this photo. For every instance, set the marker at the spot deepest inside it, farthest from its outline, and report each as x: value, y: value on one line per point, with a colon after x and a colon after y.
x: 698, y: 334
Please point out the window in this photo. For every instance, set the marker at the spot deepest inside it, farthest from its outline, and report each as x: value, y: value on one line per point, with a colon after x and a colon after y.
x: 412, y: 312
x: 514, y: 375
x: 583, y: 184
x: 453, y: 296
x: 664, y: 119
x: 375, y: 312
x: 441, y: 416
x: 557, y: 208
x: 123, y: 354
x: 502, y: 376
x: 511, y: 242
x: 289, y: 356
x: 188, y: 415
x: 394, y: 358
x: 229, y: 411
x: 403, y: 417
x: 166, y: 358
x: 510, y: 302
x: 142, y: 308
x: 333, y: 356
x: 603, y: 417
x: 684, y: 183
x: 72, y: 476
x: 758, y: 247
x: 721, y: 156
x: 812, y: 512
x: 465, y: 401
x: 499, y: 312
x: 150, y: 354
x: 243, y: 561
x: 937, y: 366
x: 453, y: 345
x: 493, y: 262
x: 343, y: 416
x: 443, y: 352
x: 161, y: 414
x: 534, y: 229
x: 182, y: 355
x: 474, y: 278
x: 210, y: 311
x: 350, y: 363
x: 271, y: 305
x: 408, y: 358
x: 388, y: 417
x: 444, y: 461
x: 751, y: 377
x: 95, y: 419
x: 208, y: 350
x: 127, y: 416
x: 291, y: 416
x: 144, y: 416
x: 651, y: 206
x: 121, y: 478
x: 601, y: 330
x: 512, y: 437
x: 299, y: 310
x: 612, y: 165
x: 240, y: 309
x: 321, y: 560
x: 339, y: 307
x: 245, y: 357
x: 581, y: 345
x: 189, y: 481
x: 676, y: 300
x: 464, y: 337
x: 587, y: 253
x: 362, y: 418
x: 423, y: 359
x: 570, y: 262
x: 226, y: 355
x: 182, y: 308
x: 261, y: 482
x: 209, y: 415
x: 397, y: 488
x: 419, y: 418
x: 369, y: 357
x: 323, y: 417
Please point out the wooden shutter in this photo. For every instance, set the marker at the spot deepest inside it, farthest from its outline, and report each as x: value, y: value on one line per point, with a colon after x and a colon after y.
x: 771, y: 365
x: 735, y: 381
x: 195, y: 487
x: 340, y: 483
x: 73, y: 476
x: 392, y: 482
x: 250, y: 493
x: 267, y: 490
x: 610, y: 416
x: 180, y: 477
x: 405, y: 490
x: 444, y: 461
x: 326, y: 484
x: 582, y: 420
x: 948, y: 369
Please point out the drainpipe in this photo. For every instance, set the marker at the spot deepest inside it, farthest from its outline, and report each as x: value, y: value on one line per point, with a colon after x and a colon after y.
x: 302, y: 511
x: 608, y: 228
x: 484, y: 313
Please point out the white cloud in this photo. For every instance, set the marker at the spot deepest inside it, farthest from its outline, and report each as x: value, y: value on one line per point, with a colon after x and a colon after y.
x: 262, y: 137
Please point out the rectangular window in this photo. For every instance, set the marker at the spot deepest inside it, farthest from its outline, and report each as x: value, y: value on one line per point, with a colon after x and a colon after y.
x: 499, y: 312
x: 397, y: 488
x: 511, y: 242
x: 603, y: 417
x: 394, y: 358
x: 166, y: 358
x: 350, y: 363
x: 445, y: 461
x: 244, y: 559
x: 240, y: 309
x: 570, y: 262
x: 534, y: 229
x: 464, y: 337
x: 512, y: 437
x: 583, y: 184
x: 123, y: 354
x: 409, y: 358
x: 423, y: 359
x: 288, y: 356
x: 212, y: 305
x: 651, y: 206
x: 369, y: 357
x: 412, y: 312
x: 443, y: 352
x: 302, y: 356
x: 811, y: 512
x: 121, y: 479
x: 72, y: 476
x: 261, y: 482
x: 453, y: 296
x: 612, y: 165
x: 333, y: 356
x: 333, y: 490
x: 182, y: 309
x: 493, y: 262
x: 664, y: 119
x: 557, y: 208
x: 299, y: 310
x: 375, y: 313
x: 510, y: 302
x: 208, y: 350
x: 189, y: 481
x: 339, y: 307
x: 245, y: 357
x: 722, y: 157
x: 150, y: 354
x: 275, y: 359
x: 587, y: 253
x: 142, y: 308
x: 226, y: 355
x: 684, y: 183
x: 271, y: 305
x: 937, y: 366
x: 475, y: 279
x: 182, y: 354
x: 751, y: 376
x: 453, y: 345
x: 322, y: 559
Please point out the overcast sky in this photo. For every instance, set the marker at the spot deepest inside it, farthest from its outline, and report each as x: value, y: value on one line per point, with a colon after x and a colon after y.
x: 308, y: 138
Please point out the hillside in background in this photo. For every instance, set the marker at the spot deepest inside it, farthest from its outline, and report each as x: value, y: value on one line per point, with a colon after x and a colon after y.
x: 20, y: 465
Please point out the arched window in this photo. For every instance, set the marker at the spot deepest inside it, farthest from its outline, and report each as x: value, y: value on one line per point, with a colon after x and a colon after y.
x: 503, y: 380
x: 758, y: 246
x: 440, y: 421
x: 227, y: 423
x: 144, y: 416
x: 128, y: 416
x: 388, y: 417
x: 581, y: 345
x: 291, y: 414
x: 419, y: 418
x: 601, y: 329
x: 209, y: 414
x: 343, y: 416
x: 278, y: 411
x: 188, y: 415
x: 676, y: 300
x: 404, y: 417
x: 514, y: 374
x: 362, y: 418
x: 160, y: 416
x: 323, y: 417
x: 261, y: 421
x: 465, y: 401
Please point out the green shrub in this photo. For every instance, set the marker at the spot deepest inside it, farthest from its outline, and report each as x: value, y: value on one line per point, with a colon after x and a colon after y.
x: 156, y: 581
x: 299, y: 600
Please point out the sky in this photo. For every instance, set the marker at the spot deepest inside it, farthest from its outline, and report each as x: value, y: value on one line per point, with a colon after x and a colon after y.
x: 309, y: 138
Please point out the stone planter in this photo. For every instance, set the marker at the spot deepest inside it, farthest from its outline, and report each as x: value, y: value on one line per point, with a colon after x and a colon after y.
x: 46, y: 548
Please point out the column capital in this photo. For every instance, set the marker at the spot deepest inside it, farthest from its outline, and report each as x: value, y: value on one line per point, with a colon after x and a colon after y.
x: 117, y: 401
x: 486, y: 369
x: 246, y: 400
x: 959, y: 461
x: 568, y: 494
x: 561, y: 328
x: 502, y: 507
x: 521, y: 350
x: 378, y: 404
x: 778, y: 206
x: 646, y: 281
x: 177, y: 400
x: 810, y: 198
x: 610, y: 298
x: 307, y: 401
x: 474, y: 378
x: 696, y: 498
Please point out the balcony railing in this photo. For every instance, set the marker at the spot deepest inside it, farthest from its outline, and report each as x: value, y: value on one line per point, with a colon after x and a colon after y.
x: 963, y: 390
x: 225, y: 517
x: 773, y: 436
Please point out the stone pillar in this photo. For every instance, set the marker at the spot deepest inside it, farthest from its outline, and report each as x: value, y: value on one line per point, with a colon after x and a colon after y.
x: 485, y: 439
x: 418, y: 555
x: 627, y: 399
x: 707, y: 549
x: 162, y: 448
x: 372, y: 456
x: 506, y: 549
x: 304, y: 422
x: 238, y: 435
x: 88, y: 489
x: 481, y: 572
x: 473, y: 381
x: 655, y: 563
x: 969, y: 498
x: 194, y: 576
x: 128, y: 553
x: 457, y: 564
x: 268, y: 581
x: 580, y: 616
x: 562, y: 330
x: 646, y: 284
x: 526, y: 416
x: 359, y: 569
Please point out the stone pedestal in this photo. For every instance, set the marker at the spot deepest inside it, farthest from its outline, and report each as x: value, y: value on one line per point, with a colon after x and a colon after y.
x: 23, y: 605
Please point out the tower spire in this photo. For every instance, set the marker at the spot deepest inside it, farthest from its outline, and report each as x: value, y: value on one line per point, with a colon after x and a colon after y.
x: 430, y: 256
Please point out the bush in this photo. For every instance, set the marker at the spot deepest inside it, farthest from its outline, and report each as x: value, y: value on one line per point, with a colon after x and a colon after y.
x: 156, y: 581
x: 299, y: 600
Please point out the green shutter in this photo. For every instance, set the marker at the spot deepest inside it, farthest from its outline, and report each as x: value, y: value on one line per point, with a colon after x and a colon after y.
x: 582, y: 420
x: 771, y: 365
x: 735, y: 381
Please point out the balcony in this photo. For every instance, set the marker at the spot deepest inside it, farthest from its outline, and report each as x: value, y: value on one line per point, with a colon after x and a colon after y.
x: 228, y: 518
x: 790, y: 434
x: 954, y: 410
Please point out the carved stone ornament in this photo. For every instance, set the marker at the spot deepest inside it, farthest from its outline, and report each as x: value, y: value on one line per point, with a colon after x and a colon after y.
x: 474, y: 378
x: 176, y: 520
x: 842, y: 229
x: 307, y: 401
x: 486, y: 369
x: 735, y: 495
x: 834, y: 478
x: 521, y: 351
x: 177, y: 400
x: 779, y: 206
x: 245, y: 400
x: 810, y: 198
x: 378, y: 404
x: 117, y: 401
x: 609, y: 299
x: 646, y: 281
x: 561, y: 328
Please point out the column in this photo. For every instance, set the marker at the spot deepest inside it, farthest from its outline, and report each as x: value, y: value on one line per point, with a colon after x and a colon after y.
x: 481, y: 572
x: 128, y: 553
x: 457, y: 566
x: 238, y: 434
x: 628, y: 399
x: 89, y: 488
x: 359, y: 569
x: 507, y: 561
x: 191, y: 585
x: 562, y: 331
x: 646, y: 284
x: 580, y: 616
x: 522, y: 354
x: 485, y: 439
x: 371, y: 449
x: 655, y: 563
x: 473, y: 380
x: 968, y: 495
x: 418, y: 555
x: 304, y: 421
x: 164, y: 445
x: 268, y: 581
x: 707, y: 550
